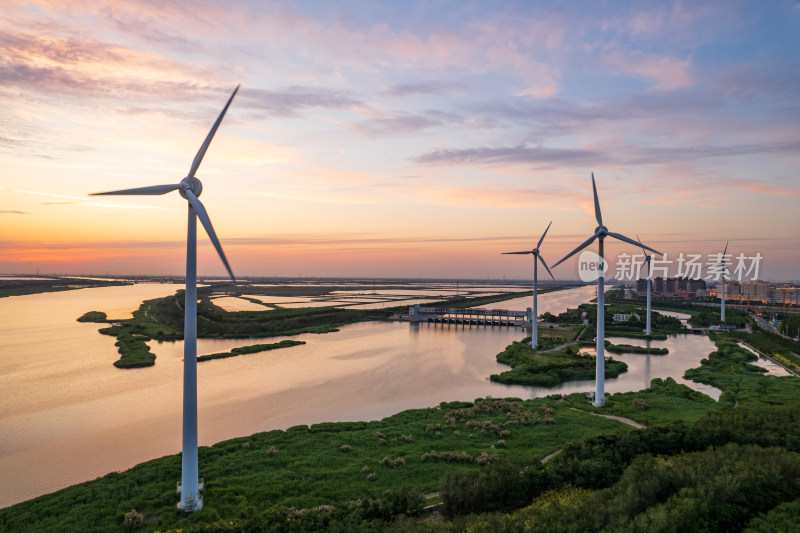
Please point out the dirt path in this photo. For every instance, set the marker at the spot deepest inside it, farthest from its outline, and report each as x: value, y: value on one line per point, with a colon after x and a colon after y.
x: 628, y: 421
x: 561, y: 346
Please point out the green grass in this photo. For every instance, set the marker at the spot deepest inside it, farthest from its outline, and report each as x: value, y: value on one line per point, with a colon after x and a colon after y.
x: 730, y: 368
x: 786, y: 351
x: 548, y: 369
x: 25, y: 287
x: 253, y: 348
x: 665, y: 401
x: 133, y: 352
x: 305, y: 467
x: 94, y: 316
x: 630, y: 348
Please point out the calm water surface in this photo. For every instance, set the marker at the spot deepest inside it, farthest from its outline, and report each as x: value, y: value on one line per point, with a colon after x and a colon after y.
x: 67, y: 415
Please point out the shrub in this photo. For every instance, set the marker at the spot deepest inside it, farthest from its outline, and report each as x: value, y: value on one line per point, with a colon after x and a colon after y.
x: 133, y: 519
x: 485, y: 459
x: 393, y: 463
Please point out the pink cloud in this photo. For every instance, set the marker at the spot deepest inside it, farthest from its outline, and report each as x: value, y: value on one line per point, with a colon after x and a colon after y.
x: 667, y: 73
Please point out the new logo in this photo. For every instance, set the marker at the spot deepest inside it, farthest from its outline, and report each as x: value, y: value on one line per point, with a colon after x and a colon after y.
x: 589, y: 266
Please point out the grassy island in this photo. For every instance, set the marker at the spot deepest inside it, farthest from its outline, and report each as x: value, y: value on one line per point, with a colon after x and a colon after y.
x: 254, y: 348
x: 546, y: 369
x: 162, y: 319
x: 26, y: 285
x: 94, y: 316
x: 632, y: 348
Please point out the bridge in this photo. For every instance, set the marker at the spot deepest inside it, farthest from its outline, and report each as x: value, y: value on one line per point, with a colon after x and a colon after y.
x: 469, y: 315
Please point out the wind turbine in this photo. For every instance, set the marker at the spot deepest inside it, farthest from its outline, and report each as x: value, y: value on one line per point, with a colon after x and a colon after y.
x: 722, y: 300
x: 536, y: 259
x: 600, y: 233
x: 190, y: 188
x: 647, y: 259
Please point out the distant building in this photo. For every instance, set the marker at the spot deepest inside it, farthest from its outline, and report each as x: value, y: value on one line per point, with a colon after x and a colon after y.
x: 679, y: 288
x: 755, y: 291
x: 784, y: 294
x: 624, y: 317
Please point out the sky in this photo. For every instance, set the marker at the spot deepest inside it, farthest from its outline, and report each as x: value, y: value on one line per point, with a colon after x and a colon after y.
x: 399, y: 139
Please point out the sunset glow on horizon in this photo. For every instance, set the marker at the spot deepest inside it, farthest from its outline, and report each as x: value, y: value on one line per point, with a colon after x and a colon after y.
x: 397, y: 139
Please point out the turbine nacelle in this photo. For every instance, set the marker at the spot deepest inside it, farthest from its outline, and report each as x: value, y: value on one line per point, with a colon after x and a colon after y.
x: 190, y: 183
x: 600, y: 232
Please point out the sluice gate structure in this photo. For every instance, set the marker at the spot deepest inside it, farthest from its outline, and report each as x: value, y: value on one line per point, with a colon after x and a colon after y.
x: 471, y: 316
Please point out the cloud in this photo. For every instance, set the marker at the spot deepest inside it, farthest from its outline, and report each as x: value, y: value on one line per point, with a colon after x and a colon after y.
x: 400, y: 123
x: 290, y: 100
x: 424, y: 87
x: 620, y: 155
x: 667, y: 73
x: 12, y: 212
x: 514, y: 154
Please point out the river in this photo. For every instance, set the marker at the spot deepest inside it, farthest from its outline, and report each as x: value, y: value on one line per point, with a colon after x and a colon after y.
x: 67, y: 415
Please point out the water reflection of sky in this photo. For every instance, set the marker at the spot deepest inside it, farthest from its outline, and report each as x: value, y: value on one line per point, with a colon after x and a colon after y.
x: 685, y: 351
x: 772, y: 368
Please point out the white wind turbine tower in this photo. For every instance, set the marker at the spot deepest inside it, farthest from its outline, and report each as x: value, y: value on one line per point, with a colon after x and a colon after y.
x: 536, y: 259
x: 722, y: 299
x: 647, y: 259
x: 600, y: 233
x: 190, y: 188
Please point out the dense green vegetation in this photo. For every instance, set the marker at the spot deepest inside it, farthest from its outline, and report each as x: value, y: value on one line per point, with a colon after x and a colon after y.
x: 93, y: 316
x: 790, y: 325
x: 26, y: 286
x: 784, y: 351
x: 253, y: 348
x: 547, y: 369
x: 133, y: 352
x: 664, y: 402
x: 349, y: 465
x: 784, y: 517
x: 730, y: 369
x: 703, y: 314
x: 661, y: 325
x: 631, y: 348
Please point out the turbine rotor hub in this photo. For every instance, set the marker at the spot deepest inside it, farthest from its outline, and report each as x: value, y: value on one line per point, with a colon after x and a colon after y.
x: 601, y: 231
x: 193, y: 184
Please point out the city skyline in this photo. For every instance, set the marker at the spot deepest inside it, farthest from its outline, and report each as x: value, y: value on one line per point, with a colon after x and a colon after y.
x: 388, y: 140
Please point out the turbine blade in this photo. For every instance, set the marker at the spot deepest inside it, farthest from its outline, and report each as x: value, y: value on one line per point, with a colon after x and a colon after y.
x: 143, y: 191
x: 586, y: 243
x: 203, y: 216
x: 641, y: 245
x: 726, y: 250
x: 631, y: 241
x: 506, y: 253
x: 202, y: 152
x: 543, y: 234
x: 641, y: 267
x: 545, y: 266
x: 597, y: 214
